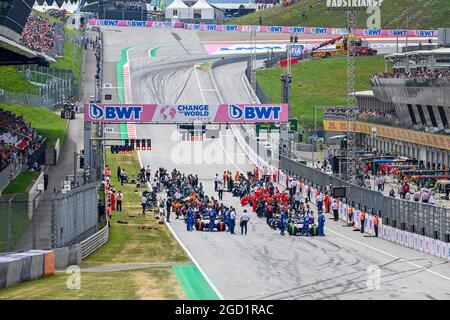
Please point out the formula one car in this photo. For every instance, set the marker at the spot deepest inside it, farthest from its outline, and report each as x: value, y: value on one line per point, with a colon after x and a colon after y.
x: 68, y: 111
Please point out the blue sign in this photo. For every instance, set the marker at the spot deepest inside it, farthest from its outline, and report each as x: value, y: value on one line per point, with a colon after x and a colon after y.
x: 275, y: 29
x: 115, y: 112
x: 211, y: 27
x: 109, y: 22
x: 136, y: 23
x: 297, y: 50
x: 372, y: 32
x: 230, y: 28
x: 319, y: 30
x: 397, y: 33
x: 425, y: 33
x: 249, y: 112
x: 297, y: 29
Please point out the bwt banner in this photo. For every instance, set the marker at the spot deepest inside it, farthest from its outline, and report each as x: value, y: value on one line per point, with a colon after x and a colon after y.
x: 153, y: 113
x: 266, y: 29
x: 134, y: 23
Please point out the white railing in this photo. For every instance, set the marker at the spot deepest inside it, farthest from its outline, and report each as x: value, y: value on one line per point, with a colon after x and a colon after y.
x: 94, y: 242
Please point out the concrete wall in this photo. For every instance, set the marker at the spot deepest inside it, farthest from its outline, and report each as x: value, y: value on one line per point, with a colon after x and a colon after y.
x: 34, y: 196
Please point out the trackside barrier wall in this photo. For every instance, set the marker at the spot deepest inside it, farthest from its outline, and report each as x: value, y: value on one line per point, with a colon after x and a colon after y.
x: 265, y: 29
x: 351, y: 215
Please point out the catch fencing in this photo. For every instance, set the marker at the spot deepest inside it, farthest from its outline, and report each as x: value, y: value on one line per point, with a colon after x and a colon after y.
x: 37, y: 220
x: 416, y: 217
x: 54, y: 87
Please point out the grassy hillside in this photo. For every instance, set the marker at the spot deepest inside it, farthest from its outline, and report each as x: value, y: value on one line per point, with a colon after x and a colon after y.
x: 47, y: 123
x: 11, y: 80
x: 421, y: 14
x: 320, y: 83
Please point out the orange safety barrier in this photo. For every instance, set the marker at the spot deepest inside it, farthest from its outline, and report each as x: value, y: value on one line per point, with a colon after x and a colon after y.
x: 49, y: 263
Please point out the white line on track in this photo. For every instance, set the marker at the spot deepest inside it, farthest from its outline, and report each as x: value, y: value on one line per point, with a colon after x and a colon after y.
x: 199, y: 85
x: 186, y: 249
x: 388, y: 254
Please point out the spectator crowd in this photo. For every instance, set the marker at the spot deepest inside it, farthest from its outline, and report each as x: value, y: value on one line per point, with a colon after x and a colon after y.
x: 343, y: 113
x: 417, y: 74
x: 38, y: 34
x: 18, y: 140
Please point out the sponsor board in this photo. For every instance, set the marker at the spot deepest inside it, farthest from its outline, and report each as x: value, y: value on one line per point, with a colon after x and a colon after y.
x: 153, y: 113
x: 265, y: 29
x: 423, y: 138
x: 426, y: 244
x: 421, y: 243
x: 432, y: 250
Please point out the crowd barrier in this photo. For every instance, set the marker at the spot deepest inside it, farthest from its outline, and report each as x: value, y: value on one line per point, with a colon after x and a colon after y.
x: 351, y: 216
x: 265, y: 29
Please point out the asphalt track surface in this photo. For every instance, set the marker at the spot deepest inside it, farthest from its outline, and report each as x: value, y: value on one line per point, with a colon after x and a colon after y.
x: 262, y: 264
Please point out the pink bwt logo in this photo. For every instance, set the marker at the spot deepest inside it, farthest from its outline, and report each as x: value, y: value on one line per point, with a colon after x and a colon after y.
x: 168, y: 112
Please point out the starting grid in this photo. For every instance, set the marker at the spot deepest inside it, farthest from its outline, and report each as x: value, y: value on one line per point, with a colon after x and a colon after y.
x: 266, y: 29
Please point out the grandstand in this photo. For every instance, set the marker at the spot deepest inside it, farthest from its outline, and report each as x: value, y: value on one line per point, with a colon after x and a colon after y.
x: 407, y: 110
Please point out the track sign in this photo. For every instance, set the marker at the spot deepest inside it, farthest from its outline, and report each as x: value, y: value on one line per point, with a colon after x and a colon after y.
x: 353, y: 4
x: 297, y: 50
x: 109, y: 130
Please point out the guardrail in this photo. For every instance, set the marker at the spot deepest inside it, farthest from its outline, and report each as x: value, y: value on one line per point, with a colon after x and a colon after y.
x: 94, y: 242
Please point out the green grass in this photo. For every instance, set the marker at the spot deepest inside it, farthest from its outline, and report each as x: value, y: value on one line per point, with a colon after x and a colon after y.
x: 319, y: 82
x: 20, y: 183
x: 13, y: 81
x: 47, y: 123
x: 152, y: 283
x: 127, y: 243
x: 411, y: 14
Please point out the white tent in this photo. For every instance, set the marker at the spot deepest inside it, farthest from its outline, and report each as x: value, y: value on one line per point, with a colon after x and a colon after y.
x: 203, y: 10
x: 178, y: 9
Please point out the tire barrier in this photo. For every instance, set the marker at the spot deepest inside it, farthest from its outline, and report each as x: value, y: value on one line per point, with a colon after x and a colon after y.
x: 30, y: 265
x: 26, y: 266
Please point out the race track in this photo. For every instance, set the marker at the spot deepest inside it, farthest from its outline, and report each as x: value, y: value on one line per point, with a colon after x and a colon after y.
x: 263, y: 264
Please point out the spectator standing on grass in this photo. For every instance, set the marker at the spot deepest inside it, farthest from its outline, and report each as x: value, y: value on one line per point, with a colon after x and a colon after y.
x: 143, y: 204
x: 108, y: 211
x: 119, y: 201
x: 119, y: 171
